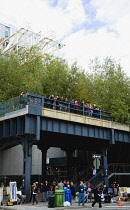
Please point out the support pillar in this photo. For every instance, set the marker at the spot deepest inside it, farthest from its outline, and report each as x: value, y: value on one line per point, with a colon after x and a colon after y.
x: 105, y: 165
x: 27, y: 167
x: 69, y: 152
x: 44, y: 155
x: 43, y: 149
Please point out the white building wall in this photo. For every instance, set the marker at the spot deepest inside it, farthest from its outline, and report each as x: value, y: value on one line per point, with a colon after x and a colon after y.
x: 6, y: 30
x: 36, y: 161
x: 2, y: 31
x: 54, y: 152
x: 11, y: 160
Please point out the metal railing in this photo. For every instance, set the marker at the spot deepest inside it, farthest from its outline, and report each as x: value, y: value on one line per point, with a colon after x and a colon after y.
x: 97, y: 179
x: 79, y: 176
x: 70, y: 107
x: 118, y: 168
x: 113, y: 169
x: 20, y: 102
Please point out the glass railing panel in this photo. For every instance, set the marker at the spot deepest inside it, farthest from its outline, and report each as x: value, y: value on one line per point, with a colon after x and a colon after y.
x: 13, y: 104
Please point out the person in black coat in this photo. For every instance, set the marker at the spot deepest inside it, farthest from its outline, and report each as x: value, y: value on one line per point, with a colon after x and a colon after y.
x: 72, y: 188
x: 97, y: 196
x: 42, y: 192
x: 34, y: 193
x: 46, y: 188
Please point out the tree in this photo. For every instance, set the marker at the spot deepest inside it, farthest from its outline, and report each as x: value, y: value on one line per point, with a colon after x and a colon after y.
x: 111, y: 89
x: 31, y: 71
x: 20, y: 72
x: 55, y: 77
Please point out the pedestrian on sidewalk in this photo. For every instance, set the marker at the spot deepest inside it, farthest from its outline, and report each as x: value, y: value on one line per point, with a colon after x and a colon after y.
x: 81, y: 193
x: 42, y: 192
x: 97, y: 196
x: 46, y: 188
x: 34, y: 193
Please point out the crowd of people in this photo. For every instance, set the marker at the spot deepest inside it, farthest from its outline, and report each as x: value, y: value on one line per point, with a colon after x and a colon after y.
x: 84, y: 191
x: 73, y: 106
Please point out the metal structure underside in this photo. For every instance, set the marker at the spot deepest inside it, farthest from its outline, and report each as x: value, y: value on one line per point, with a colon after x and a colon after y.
x: 33, y: 122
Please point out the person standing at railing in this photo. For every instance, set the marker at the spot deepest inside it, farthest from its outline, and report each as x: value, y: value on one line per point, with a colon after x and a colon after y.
x: 51, y: 101
x: 90, y: 110
x: 47, y: 102
x: 22, y: 99
x: 86, y: 108
x: 76, y: 105
x: 57, y: 102
x: 72, y: 106
x: 54, y: 103
x: 95, y: 110
x: 66, y: 104
x: 82, y: 107
x: 62, y: 104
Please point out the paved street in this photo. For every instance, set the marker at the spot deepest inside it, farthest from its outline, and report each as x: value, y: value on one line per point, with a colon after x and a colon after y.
x: 39, y: 207
x: 44, y: 206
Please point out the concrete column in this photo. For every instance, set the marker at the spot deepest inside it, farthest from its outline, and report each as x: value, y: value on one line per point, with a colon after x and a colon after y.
x: 43, y: 149
x: 105, y: 165
x: 69, y: 152
x: 27, y: 167
x: 44, y: 154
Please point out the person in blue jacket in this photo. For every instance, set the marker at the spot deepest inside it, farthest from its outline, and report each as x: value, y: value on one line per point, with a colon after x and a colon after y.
x: 81, y: 193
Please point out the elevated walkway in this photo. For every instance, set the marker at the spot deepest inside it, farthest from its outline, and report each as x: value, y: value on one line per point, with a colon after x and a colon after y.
x: 20, y: 105
x: 83, y: 119
x: 29, y: 119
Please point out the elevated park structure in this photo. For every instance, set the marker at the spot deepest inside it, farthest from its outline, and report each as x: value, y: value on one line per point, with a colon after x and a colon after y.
x: 31, y: 120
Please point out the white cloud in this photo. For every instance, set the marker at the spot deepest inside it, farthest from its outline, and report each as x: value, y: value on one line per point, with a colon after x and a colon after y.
x: 110, y: 11
x: 112, y: 39
x: 43, y: 17
x: 88, y: 28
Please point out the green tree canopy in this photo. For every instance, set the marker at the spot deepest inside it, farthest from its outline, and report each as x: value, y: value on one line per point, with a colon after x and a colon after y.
x: 111, y: 88
x: 31, y: 71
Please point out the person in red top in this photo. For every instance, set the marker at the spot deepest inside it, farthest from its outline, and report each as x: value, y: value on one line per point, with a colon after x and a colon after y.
x: 76, y: 107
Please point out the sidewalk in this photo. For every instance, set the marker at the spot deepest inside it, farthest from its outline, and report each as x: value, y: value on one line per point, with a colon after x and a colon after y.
x: 44, y: 206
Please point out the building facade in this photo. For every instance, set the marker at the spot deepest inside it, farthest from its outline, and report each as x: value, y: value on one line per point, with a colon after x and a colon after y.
x: 6, y: 30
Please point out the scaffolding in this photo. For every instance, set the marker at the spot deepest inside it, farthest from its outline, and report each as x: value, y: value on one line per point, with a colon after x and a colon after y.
x: 24, y: 38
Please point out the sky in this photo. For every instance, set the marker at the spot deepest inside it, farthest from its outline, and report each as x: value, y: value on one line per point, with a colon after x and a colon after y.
x: 88, y: 28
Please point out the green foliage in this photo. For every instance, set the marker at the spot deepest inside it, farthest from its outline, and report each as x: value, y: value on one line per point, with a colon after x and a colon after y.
x: 31, y: 71
x: 111, y: 89
x: 55, y: 76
